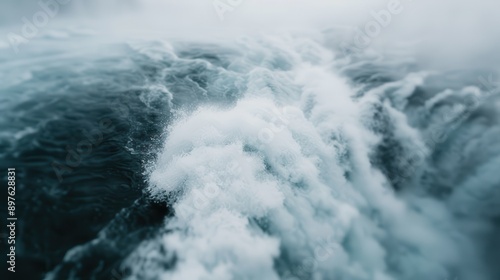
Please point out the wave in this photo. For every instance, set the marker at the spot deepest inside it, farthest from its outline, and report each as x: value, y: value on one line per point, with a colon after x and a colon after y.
x: 313, y: 173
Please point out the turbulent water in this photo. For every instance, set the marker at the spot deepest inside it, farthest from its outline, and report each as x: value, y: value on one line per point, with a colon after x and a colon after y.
x: 261, y: 158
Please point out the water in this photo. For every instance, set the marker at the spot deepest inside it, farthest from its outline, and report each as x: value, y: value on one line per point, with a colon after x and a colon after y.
x: 256, y: 158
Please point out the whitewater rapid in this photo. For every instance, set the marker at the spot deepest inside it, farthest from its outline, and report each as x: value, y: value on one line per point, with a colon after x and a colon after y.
x: 307, y: 175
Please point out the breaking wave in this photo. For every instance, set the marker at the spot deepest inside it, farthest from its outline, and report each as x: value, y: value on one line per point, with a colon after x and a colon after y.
x: 322, y: 166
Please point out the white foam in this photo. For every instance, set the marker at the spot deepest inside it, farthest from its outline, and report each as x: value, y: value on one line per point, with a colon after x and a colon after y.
x: 281, y: 185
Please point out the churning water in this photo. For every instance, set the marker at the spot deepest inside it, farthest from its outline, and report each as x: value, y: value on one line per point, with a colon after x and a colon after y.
x: 280, y: 157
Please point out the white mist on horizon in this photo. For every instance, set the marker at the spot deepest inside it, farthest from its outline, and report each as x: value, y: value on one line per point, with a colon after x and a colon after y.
x: 446, y: 33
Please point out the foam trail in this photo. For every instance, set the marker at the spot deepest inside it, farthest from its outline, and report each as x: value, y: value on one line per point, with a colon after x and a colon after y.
x: 285, y: 183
